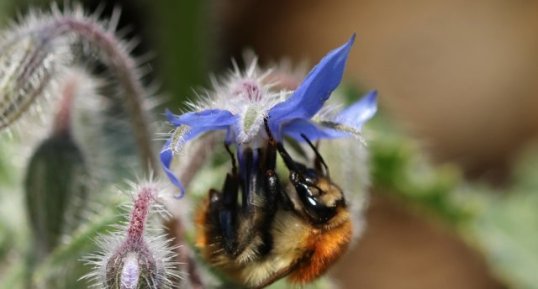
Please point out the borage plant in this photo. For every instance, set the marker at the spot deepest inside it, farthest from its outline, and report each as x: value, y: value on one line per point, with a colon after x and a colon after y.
x: 259, y: 228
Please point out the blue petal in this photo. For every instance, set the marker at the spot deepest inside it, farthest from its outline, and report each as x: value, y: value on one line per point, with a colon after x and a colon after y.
x: 208, y: 117
x: 312, y: 131
x: 316, y: 88
x: 353, y: 117
x: 166, y: 157
x: 167, y: 153
x: 360, y: 112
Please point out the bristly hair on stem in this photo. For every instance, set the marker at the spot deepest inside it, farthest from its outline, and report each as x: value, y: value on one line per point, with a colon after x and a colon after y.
x: 36, y: 52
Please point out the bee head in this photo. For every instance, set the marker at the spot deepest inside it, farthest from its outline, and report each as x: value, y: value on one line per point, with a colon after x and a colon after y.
x: 316, y: 196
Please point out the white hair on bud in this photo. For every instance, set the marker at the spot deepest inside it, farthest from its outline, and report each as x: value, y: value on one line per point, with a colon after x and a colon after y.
x: 149, y: 259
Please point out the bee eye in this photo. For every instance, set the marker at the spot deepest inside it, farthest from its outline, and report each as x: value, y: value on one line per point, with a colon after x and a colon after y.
x: 318, y: 212
x: 310, y: 176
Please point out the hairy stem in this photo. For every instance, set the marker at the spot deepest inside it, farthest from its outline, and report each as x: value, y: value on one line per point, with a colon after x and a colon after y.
x: 62, y: 119
x: 176, y: 230
x: 125, y: 69
x: 119, y: 61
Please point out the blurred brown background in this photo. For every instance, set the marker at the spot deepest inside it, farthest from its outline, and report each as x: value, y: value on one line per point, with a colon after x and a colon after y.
x: 461, y: 76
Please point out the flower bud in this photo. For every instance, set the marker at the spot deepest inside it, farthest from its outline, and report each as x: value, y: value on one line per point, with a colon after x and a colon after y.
x: 56, y: 181
x: 29, y: 65
x: 133, y: 267
x: 56, y: 191
x: 134, y: 259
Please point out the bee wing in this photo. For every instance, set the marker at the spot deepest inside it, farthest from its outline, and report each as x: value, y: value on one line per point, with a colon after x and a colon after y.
x: 347, y: 159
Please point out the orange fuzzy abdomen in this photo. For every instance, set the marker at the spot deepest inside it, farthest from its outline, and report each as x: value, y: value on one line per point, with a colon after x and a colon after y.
x: 326, y: 247
x: 201, y: 224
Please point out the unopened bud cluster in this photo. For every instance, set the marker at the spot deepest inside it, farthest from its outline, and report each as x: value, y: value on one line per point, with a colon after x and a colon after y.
x: 29, y: 65
x: 38, y: 53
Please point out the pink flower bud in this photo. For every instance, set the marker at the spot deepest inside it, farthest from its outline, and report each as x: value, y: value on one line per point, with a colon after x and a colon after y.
x: 134, y: 258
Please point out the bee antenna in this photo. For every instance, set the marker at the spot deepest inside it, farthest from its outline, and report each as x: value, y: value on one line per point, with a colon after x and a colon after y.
x: 319, y: 158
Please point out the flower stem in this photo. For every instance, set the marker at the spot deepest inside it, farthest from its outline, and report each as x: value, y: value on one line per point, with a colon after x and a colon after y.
x: 125, y: 69
x: 184, y: 257
x: 174, y: 226
x: 62, y: 119
x: 123, y: 66
x: 139, y: 214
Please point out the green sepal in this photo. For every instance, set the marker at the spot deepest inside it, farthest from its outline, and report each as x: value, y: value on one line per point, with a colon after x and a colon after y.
x: 56, y: 191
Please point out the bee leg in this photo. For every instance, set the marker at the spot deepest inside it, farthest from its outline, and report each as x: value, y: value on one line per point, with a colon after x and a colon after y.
x: 231, y: 221
x: 228, y: 212
x: 270, y: 192
x: 245, y: 228
x: 273, y: 192
x: 249, y: 215
x: 259, y: 203
x: 239, y: 225
x: 223, y: 209
x: 232, y: 156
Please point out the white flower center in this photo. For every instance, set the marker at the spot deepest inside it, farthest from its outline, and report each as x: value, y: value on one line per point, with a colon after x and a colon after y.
x: 249, y: 97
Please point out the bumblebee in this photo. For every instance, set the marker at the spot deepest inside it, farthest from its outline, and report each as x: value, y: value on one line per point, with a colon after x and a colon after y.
x: 257, y: 230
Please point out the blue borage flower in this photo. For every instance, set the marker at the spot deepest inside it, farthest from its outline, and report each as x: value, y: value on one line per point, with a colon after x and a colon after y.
x: 240, y: 104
